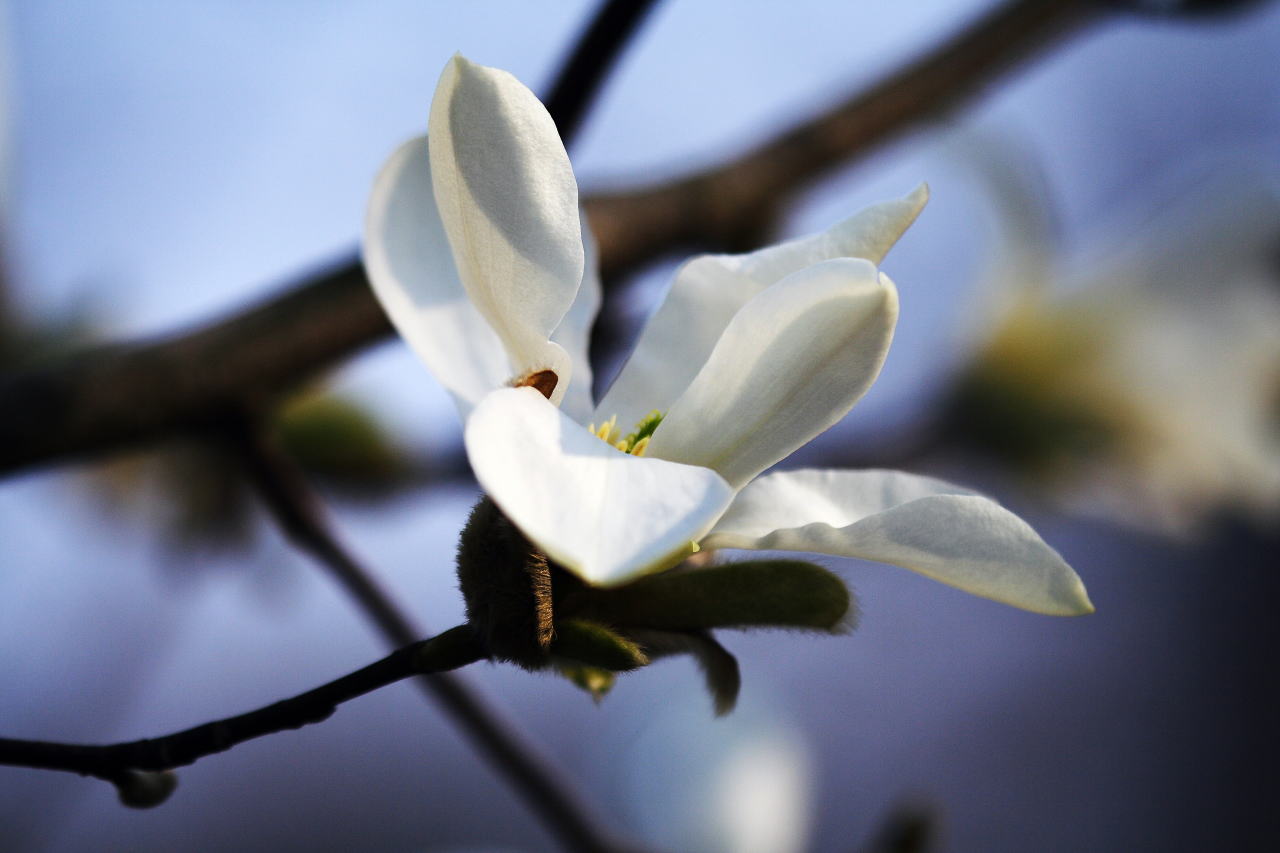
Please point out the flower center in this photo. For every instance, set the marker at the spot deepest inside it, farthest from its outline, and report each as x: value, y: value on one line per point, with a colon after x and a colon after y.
x: 635, y: 443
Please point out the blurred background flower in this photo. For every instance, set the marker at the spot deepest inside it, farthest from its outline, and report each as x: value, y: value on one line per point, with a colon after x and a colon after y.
x: 1143, y: 382
x: 743, y: 786
x: 195, y: 494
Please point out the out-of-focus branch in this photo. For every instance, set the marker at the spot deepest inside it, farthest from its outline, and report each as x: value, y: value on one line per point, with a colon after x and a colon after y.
x: 295, y: 507
x: 733, y: 207
x: 450, y: 650
x: 109, y: 397
x: 581, y: 77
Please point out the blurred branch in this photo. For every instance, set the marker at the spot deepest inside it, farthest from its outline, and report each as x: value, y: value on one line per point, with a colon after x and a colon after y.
x: 295, y: 507
x: 593, y: 56
x: 733, y: 207
x: 454, y: 648
x: 297, y: 510
x: 106, y: 397
x: 102, y: 399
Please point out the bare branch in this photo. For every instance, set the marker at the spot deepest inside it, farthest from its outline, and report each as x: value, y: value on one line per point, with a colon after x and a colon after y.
x: 454, y: 648
x: 106, y: 398
x: 733, y: 207
x: 298, y: 511
x: 594, y: 55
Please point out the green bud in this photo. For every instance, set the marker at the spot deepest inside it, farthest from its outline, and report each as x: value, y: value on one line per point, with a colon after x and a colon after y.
x: 340, y: 442
x: 598, y: 682
x: 754, y: 594
x: 596, y: 645
x: 506, y: 585
x: 510, y: 588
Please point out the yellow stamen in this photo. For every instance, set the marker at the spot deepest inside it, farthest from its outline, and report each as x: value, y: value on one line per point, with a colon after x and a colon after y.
x: 607, y: 429
x: 634, y: 443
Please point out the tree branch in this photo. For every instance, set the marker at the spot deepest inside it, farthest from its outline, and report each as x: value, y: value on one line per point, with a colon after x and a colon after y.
x: 106, y: 398
x: 733, y: 207
x: 596, y: 52
x: 454, y: 648
x: 295, y: 507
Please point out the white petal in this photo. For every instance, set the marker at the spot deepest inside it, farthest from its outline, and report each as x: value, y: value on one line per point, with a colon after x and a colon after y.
x: 410, y: 266
x: 574, y: 331
x: 942, y: 531
x: 600, y: 513
x: 790, y: 364
x: 509, y: 203
x: 710, y: 289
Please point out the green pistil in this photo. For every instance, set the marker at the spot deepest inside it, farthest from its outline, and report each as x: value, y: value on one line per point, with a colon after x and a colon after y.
x: 644, y: 429
x: 634, y: 443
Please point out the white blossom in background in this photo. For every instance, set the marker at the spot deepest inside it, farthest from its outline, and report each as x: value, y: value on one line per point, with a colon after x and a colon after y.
x: 743, y: 784
x: 1171, y: 353
x: 475, y: 247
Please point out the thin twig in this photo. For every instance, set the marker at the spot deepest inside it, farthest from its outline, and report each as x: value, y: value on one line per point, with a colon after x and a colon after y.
x: 296, y: 509
x: 110, y: 397
x: 454, y: 648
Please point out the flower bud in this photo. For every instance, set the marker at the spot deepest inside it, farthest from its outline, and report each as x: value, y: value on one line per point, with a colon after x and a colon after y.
x: 145, y: 789
x: 507, y: 585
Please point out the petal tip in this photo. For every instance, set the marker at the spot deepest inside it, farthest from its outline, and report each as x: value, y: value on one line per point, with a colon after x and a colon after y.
x: 919, y: 196
x: 888, y: 299
x: 459, y: 64
x: 889, y: 291
x: 1082, y: 604
x: 1069, y: 597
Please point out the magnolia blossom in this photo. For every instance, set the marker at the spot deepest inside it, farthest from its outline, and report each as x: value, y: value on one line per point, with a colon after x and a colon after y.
x: 476, y: 248
x: 1149, y: 375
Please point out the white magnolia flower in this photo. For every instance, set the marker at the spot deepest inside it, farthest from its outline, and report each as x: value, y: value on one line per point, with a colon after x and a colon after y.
x: 1153, y: 368
x: 749, y: 358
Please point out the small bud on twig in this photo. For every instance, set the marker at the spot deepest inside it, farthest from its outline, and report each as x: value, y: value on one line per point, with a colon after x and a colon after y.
x: 145, y: 789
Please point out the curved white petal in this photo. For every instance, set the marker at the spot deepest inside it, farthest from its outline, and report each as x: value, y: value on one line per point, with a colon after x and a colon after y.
x: 600, y: 513
x: 509, y: 203
x: 790, y: 364
x: 574, y: 331
x: 410, y: 266
x: 942, y: 531
x: 709, y: 290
